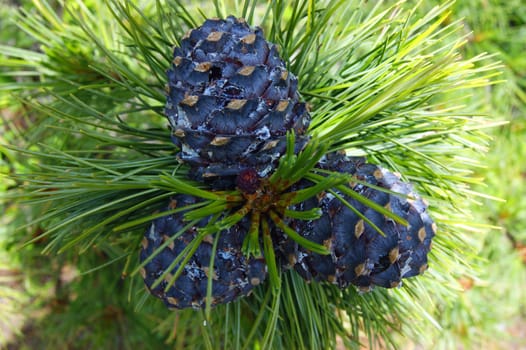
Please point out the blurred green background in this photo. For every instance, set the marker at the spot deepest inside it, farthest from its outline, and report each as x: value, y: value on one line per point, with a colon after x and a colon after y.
x: 491, y: 307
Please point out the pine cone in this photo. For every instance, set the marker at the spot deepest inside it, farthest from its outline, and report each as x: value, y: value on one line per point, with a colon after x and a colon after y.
x: 360, y: 255
x: 231, y: 101
x: 233, y: 274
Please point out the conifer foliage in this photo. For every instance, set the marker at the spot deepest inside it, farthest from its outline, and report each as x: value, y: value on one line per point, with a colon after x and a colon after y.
x: 284, y: 158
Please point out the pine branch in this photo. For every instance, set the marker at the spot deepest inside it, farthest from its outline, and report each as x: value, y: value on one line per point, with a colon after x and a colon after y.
x: 99, y: 162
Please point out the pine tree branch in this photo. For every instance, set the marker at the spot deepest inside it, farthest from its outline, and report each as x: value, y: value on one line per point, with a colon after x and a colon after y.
x: 98, y: 159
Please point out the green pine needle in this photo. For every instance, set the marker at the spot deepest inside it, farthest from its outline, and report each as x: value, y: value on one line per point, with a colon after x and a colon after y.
x: 314, y: 247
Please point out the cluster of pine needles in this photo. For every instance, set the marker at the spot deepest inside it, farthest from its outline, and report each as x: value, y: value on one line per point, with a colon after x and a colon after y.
x: 87, y: 162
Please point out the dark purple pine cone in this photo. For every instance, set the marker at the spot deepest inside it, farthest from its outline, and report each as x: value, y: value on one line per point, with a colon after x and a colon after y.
x: 233, y: 274
x: 231, y: 101
x: 360, y: 255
